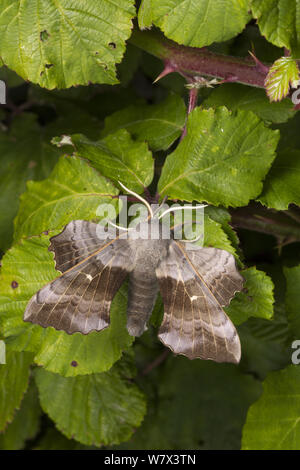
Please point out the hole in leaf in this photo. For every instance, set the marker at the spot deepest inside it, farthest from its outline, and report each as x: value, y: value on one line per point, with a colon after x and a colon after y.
x: 44, y: 35
x: 48, y: 66
x: 74, y: 363
x: 14, y: 284
x: 112, y: 45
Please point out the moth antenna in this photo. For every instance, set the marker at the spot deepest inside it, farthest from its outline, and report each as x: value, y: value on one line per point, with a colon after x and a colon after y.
x: 191, y: 241
x: 160, y: 205
x: 138, y: 197
x: 173, y: 209
x: 120, y: 227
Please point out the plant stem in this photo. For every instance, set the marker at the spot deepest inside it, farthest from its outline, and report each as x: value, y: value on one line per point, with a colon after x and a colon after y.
x: 192, y: 61
x: 257, y: 218
x: 157, y: 361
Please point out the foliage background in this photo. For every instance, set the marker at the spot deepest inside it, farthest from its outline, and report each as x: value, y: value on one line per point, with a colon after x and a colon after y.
x: 74, y: 68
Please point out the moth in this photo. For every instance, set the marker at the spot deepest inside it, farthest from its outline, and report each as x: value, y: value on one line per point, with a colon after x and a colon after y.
x: 195, y: 285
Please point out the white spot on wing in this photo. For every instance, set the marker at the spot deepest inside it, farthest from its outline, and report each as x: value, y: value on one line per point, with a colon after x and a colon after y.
x: 89, y: 277
x: 195, y: 297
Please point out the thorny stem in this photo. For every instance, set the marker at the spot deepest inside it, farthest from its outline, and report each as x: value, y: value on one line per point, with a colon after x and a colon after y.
x: 193, y: 96
x: 192, y: 61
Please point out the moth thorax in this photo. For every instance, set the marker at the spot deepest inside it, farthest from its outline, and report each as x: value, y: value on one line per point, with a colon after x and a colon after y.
x: 151, y: 229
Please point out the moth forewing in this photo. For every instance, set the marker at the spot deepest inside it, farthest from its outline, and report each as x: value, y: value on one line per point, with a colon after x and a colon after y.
x: 79, y: 300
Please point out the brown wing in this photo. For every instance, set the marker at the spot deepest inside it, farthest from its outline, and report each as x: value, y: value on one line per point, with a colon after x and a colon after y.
x: 195, y: 284
x: 93, y: 271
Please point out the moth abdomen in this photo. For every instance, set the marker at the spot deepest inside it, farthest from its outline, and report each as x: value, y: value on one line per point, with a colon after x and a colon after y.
x: 142, y: 294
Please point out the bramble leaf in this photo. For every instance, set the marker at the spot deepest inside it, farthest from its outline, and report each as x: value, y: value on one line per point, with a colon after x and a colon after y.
x: 14, y: 377
x: 292, y: 276
x: 116, y: 156
x: 26, y: 268
x: 279, y: 22
x: 196, y: 23
x: 113, y: 406
x: 256, y: 300
x: 273, y: 422
x: 281, y: 186
x: 222, y: 159
x: 73, y: 191
x: 59, y: 44
x: 180, y: 412
x: 25, y: 424
x: 283, y: 74
x: 235, y: 96
x: 159, y: 125
x: 25, y: 154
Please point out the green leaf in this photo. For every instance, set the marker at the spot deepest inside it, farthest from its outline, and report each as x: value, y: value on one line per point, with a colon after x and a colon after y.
x: 30, y: 265
x: 222, y: 159
x: 73, y: 191
x: 116, y: 156
x: 283, y: 74
x: 145, y: 14
x: 292, y: 276
x: 14, y: 376
x: 54, y: 440
x: 25, y: 424
x: 159, y: 124
x: 196, y: 405
x: 99, y: 409
x: 198, y: 23
x: 58, y: 44
x: 264, y: 346
x: 279, y: 22
x: 273, y: 422
x: 235, y: 96
x: 215, y: 236
x: 10, y: 78
x: 281, y: 186
x: 257, y: 299
x: 129, y: 64
x: 223, y: 218
x: 25, y: 154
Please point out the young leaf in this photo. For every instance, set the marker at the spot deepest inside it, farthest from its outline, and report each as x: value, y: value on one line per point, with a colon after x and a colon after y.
x: 256, y: 300
x: 14, y: 377
x: 98, y: 409
x: 283, y: 74
x: 273, y: 422
x: 73, y: 191
x: 25, y: 154
x: 159, y: 124
x: 26, y: 268
x: 59, y: 44
x: 116, y: 156
x: 279, y: 22
x: 199, y: 23
x: 281, y: 186
x: 235, y: 96
x: 25, y: 424
x: 222, y: 159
